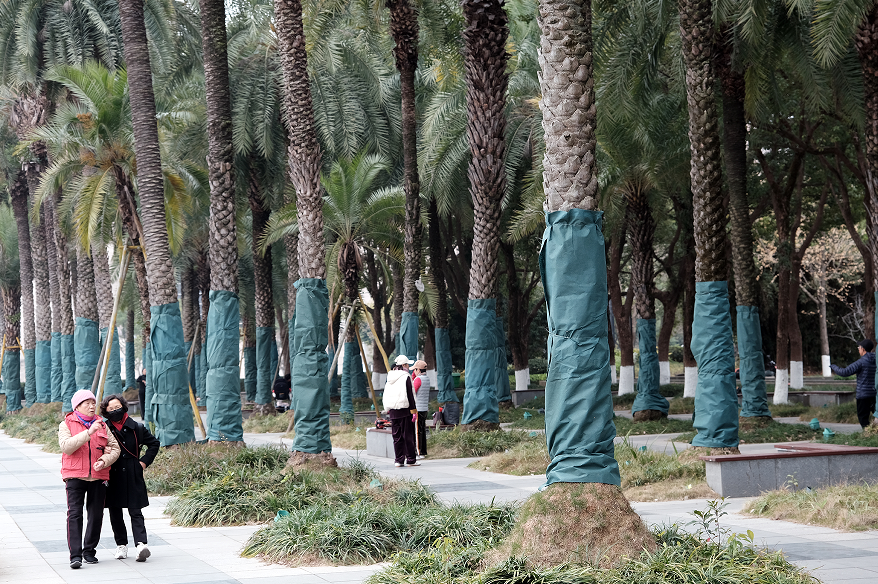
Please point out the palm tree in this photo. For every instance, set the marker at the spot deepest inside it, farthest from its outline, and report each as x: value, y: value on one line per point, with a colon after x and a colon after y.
x: 716, y: 417
x: 57, y: 372
x: 86, y: 336
x: 574, y: 266
x: 104, y: 293
x: 10, y: 287
x: 223, y: 243
x: 65, y: 361
x: 486, y: 81
x: 21, y: 210
x: 404, y: 30
x: 310, y: 336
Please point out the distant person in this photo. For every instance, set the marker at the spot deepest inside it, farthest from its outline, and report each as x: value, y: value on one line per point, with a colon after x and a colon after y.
x: 399, y: 403
x: 127, y: 488
x: 87, y: 451
x: 141, y: 392
x: 864, y: 367
x: 421, y: 385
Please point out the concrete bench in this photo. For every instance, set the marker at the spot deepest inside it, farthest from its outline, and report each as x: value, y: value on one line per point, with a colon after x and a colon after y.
x: 819, y: 399
x: 807, y: 465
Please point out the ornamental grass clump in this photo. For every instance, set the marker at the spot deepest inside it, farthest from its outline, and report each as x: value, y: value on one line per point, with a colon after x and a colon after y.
x: 37, y: 424
x: 458, y: 444
x: 368, y: 532
x: 845, y: 507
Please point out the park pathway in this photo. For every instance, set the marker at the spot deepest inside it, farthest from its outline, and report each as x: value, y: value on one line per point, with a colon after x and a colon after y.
x: 33, y: 548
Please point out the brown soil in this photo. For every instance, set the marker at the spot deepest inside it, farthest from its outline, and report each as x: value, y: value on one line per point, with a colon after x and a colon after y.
x: 479, y: 426
x: 755, y: 422
x: 694, y: 452
x: 649, y: 415
x: 578, y: 523
x: 310, y: 460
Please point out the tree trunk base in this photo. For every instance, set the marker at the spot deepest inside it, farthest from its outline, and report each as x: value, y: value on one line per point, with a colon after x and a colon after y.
x: 649, y: 415
x: 694, y: 452
x: 479, y: 426
x: 310, y: 460
x: 754, y: 422
x: 576, y: 523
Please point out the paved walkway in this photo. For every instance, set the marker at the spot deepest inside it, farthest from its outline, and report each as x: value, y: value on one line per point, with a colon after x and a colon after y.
x: 33, y: 548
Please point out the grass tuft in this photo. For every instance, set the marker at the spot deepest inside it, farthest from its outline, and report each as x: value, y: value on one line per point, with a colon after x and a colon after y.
x: 848, y: 508
x: 37, y: 424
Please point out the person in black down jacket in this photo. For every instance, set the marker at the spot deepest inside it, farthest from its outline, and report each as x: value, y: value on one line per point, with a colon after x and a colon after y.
x: 127, y: 487
x: 864, y: 367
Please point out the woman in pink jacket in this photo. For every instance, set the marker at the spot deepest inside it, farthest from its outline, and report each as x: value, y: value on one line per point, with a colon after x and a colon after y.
x: 87, y: 451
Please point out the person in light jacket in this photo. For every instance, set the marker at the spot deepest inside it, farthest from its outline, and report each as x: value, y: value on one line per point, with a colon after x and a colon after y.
x: 399, y: 403
x: 127, y: 487
x: 87, y: 452
x: 421, y: 385
x: 864, y: 367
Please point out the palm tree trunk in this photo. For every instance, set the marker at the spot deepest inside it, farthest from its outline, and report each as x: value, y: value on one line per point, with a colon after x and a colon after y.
x: 486, y: 81
x: 66, y: 351
x: 42, y: 296
x: 404, y: 30
x: 649, y: 403
x: 11, y: 358
x: 312, y: 300
x: 21, y: 210
x: 716, y: 404
x: 263, y: 298
x: 57, y: 375
x: 86, y: 336
x: 752, y: 363
x: 580, y: 438
x: 171, y: 412
x: 866, y: 41
x: 224, y: 392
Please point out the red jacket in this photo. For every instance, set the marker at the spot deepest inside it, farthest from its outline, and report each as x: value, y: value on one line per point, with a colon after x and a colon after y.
x: 80, y: 452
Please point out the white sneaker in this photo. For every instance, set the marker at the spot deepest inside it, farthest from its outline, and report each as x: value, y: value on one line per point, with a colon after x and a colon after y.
x: 397, y: 464
x: 142, y: 552
x: 422, y: 456
x: 121, y: 552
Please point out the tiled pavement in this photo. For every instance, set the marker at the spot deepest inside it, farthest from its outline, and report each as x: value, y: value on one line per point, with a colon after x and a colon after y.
x: 33, y: 548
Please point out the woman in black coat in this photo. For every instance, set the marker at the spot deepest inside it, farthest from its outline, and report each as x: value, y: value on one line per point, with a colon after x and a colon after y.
x: 127, y: 487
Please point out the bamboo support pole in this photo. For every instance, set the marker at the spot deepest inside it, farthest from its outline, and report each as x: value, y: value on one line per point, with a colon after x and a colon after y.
x: 368, y: 373
x: 192, y: 400
x: 106, y: 351
x: 375, y: 336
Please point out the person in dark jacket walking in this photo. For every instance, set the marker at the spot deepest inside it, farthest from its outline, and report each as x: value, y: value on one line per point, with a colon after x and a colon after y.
x: 127, y: 488
x: 864, y: 367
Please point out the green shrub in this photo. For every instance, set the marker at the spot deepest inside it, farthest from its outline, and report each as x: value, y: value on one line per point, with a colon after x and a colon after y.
x: 471, y: 444
x: 682, y: 405
x: 672, y: 390
x: 538, y: 365
x: 675, y: 353
x: 37, y: 424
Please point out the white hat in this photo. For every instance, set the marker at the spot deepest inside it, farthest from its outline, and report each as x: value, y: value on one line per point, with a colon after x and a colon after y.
x: 403, y: 360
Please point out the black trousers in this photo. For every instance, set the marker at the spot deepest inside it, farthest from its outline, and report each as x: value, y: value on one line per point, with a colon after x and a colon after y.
x: 93, y: 494
x: 865, y: 409
x: 120, y: 533
x: 403, y: 432
x: 422, y: 433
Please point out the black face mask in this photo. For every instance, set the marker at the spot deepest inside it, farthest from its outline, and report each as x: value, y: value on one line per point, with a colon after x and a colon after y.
x: 116, y: 415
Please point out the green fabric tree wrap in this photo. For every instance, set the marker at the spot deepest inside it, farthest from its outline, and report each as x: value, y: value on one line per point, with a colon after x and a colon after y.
x: 648, y: 395
x: 480, y: 398
x: 170, y: 407
x: 310, y: 367
x: 579, y: 406
x: 716, y: 403
x: 223, y: 381
x: 752, y: 363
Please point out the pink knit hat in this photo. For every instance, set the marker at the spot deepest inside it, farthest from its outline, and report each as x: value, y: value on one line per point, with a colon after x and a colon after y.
x: 81, y: 396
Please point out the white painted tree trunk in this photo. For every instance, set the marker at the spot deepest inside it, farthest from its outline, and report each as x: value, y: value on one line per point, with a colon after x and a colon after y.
x: 434, y: 381
x: 626, y: 379
x: 797, y: 375
x: 664, y: 372
x: 378, y: 380
x: 522, y: 379
x: 824, y: 360
x: 781, y: 387
x: 690, y: 381
x: 613, y: 378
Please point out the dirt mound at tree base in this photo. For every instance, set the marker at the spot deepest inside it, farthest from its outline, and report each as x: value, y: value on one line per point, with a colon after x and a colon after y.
x: 310, y: 460
x: 692, y: 453
x: 576, y: 523
x: 649, y: 415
